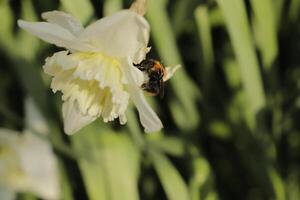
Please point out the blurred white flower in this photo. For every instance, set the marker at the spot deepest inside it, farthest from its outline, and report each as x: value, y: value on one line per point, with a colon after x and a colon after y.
x: 96, y: 74
x: 27, y: 162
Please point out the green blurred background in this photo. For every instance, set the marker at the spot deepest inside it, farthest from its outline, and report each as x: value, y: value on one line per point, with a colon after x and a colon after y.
x: 231, y: 114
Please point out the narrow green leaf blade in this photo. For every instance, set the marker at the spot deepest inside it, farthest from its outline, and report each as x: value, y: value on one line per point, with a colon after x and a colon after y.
x: 24, y: 39
x: 112, y: 6
x: 109, y: 163
x: 170, y: 145
x: 204, y: 29
x: 6, y: 28
x: 173, y: 184
x: 82, y: 9
x: 294, y: 10
x: 265, y: 29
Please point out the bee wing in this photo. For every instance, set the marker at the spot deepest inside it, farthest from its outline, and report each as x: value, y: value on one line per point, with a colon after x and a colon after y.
x: 170, y: 71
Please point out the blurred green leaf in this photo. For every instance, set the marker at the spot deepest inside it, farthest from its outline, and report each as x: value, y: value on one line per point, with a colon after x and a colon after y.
x: 204, y: 29
x: 134, y: 129
x: 239, y: 31
x: 173, y: 184
x: 30, y: 79
x: 220, y: 129
x: 212, y: 196
x: 109, y: 163
x: 216, y: 17
x: 232, y: 73
x: 278, y: 8
x: 24, y: 39
x: 294, y: 10
x: 81, y: 9
x: 112, y: 6
x: 201, y: 174
x: 26, y: 196
x: 66, y: 190
x: 292, y: 185
x: 265, y: 29
x: 181, y: 13
x: 171, y: 145
x: 277, y: 183
x: 6, y: 28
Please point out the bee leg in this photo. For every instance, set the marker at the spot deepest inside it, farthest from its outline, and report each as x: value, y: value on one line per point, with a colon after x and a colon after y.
x: 136, y: 65
x: 142, y: 65
x: 139, y: 66
x: 145, y: 65
x: 145, y: 86
x: 161, y: 89
x: 156, y: 90
x: 152, y: 89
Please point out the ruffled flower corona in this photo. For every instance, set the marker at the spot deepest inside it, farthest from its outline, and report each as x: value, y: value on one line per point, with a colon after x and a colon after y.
x: 96, y: 74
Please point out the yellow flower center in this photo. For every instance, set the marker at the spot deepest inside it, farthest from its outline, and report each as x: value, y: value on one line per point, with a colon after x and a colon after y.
x: 92, y: 80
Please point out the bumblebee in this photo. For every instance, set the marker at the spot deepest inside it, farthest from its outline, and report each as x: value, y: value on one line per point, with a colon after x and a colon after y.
x: 155, y: 72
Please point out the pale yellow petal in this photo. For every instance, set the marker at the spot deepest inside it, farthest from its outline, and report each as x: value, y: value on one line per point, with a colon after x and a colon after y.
x: 58, y: 62
x: 64, y: 20
x: 74, y: 120
x: 54, y: 34
x: 40, y: 166
x: 34, y: 119
x: 120, y: 35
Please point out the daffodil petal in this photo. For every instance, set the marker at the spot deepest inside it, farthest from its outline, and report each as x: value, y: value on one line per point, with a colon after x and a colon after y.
x: 141, y: 54
x: 8, y: 137
x: 123, y: 119
x: 34, y: 119
x: 74, y: 120
x: 64, y: 20
x: 119, y: 35
x: 58, y: 62
x: 41, y: 169
x: 170, y: 71
x: 54, y: 34
x: 148, y: 117
x: 39, y: 174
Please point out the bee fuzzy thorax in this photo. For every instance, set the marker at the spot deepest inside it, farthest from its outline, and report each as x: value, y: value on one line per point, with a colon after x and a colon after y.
x: 160, y: 68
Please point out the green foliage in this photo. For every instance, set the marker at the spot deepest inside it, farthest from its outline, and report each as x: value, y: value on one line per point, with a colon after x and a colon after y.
x: 109, y: 163
x: 172, y: 182
x: 234, y: 12
x: 82, y: 9
x: 231, y: 113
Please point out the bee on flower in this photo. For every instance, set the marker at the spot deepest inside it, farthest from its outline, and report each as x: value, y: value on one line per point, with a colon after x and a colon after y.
x: 96, y: 72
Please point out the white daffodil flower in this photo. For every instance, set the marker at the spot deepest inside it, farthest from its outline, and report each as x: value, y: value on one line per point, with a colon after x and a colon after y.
x: 96, y: 74
x: 27, y: 162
